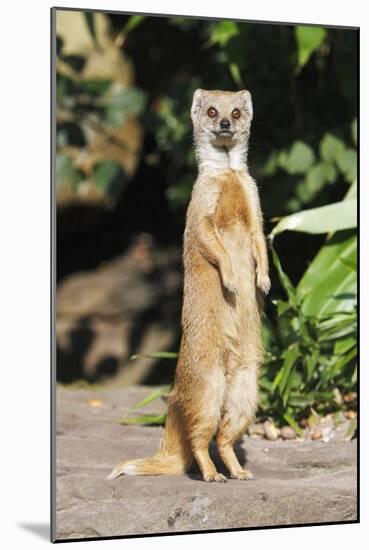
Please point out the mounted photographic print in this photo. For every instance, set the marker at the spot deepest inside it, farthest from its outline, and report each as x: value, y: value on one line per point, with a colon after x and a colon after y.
x: 204, y: 208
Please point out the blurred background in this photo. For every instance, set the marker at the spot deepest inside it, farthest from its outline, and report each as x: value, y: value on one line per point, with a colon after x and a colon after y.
x: 124, y: 172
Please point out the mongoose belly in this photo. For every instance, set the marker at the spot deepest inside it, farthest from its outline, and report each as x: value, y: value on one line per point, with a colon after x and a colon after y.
x: 232, y: 218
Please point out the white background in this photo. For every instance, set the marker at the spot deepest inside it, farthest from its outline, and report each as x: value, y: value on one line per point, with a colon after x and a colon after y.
x: 24, y: 257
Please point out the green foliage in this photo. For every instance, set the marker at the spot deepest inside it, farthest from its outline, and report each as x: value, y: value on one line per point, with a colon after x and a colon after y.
x: 313, y: 355
x: 93, y: 104
x: 330, y: 276
x: 147, y: 418
x: 119, y: 102
x: 333, y: 217
x: 222, y: 32
x: 335, y: 162
x: 104, y: 173
x: 151, y: 419
x: 66, y: 173
x: 133, y: 22
x: 308, y: 39
x: 294, y: 110
x: 298, y: 159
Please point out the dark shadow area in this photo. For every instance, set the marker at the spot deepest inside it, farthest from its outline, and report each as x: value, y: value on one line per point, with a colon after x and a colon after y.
x: 42, y: 530
x: 90, y: 234
x: 145, y: 301
x: 194, y: 471
x: 69, y: 363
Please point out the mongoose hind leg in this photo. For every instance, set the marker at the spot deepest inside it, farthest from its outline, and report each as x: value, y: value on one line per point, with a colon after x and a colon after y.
x: 202, y: 410
x: 239, y: 411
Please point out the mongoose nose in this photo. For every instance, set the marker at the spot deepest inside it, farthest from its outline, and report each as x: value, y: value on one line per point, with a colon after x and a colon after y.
x: 225, y: 124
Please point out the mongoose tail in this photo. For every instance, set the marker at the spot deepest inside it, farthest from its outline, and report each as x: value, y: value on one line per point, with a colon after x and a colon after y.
x: 174, y: 455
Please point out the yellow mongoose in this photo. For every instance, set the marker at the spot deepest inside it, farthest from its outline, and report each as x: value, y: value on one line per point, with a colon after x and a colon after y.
x: 225, y: 268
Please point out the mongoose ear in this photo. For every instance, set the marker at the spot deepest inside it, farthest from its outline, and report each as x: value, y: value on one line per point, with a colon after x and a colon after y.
x: 246, y: 96
x: 196, y: 103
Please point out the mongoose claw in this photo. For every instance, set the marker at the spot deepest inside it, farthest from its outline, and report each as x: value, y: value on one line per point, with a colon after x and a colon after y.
x: 263, y: 282
x: 215, y: 477
x: 245, y: 475
x: 230, y: 287
x: 229, y: 284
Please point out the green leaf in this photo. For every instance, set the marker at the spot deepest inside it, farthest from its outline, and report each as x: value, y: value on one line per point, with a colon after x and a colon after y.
x: 328, y: 285
x: 311, y: 361
x: 351, y: 430
x: 308, y: 39
x: 144, y: 419
x: 155, y: 395
x: 325, y: 219
x: 347, y: 163
x: 122, y: 102
x: 66, y: 173
x: 299, y: 158
x: 271, y: 164
x: 284, y: 279
x: 96, y: 86
x: 352, y: 191
x: 319, y: 174
x: 292, y: 422
x: 281, y: 306
x: 342, y: 362
x: 133, y: 22
x: 344, y: 345
x: 290, y: 357
x: 354, y: 131
x: 331, y: 148
x: 236, y: 75
x: 104, y: 173
x: 222, y: 32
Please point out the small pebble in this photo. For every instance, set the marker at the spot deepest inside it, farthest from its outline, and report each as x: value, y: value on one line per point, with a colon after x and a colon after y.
x: 350, y: 415
x: 317, y: 434
x: 95, y: 402
x: 288, y: 433
x: 327, y: 434
x: 349, y: 397
x: 271, y: 432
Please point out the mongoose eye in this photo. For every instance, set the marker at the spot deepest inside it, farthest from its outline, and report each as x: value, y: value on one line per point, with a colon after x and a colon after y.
x: 212, y: 112
x: 236, y: 113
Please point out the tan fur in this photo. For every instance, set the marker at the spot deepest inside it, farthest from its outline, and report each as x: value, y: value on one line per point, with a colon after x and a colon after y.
x: 225, y: 268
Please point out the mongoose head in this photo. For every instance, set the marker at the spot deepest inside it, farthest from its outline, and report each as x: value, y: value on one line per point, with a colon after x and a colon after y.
x: 221, y: 118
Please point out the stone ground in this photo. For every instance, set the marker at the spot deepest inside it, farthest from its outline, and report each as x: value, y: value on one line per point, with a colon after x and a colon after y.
x: 296, y: 482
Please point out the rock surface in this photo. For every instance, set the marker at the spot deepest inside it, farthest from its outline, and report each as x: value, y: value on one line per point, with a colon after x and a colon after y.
x: 297, y: 482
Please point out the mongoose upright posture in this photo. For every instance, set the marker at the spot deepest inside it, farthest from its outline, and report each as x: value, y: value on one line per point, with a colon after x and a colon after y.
x: 225, y: 272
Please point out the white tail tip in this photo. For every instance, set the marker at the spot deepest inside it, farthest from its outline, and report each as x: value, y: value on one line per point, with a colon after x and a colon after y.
x: 126, y: 469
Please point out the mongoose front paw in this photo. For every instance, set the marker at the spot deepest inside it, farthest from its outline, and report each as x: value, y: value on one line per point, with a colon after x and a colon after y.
x: 263, y: 282
x: 215, y: 477
x: 245, y: 475
x: 228, y: 280
x: 230, y: 286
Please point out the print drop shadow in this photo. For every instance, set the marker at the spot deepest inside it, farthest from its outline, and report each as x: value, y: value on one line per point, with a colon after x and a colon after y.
x: 194, y: 471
